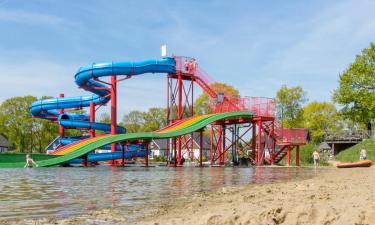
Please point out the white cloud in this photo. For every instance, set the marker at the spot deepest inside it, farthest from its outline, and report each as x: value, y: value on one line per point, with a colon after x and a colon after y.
x: 33, y: 18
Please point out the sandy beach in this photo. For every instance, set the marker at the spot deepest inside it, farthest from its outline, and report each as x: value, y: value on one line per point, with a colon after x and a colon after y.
x: 337, y: 196
x: 334, y: 196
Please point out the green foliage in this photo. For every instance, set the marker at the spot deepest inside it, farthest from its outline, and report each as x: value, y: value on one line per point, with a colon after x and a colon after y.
x: 289, y: 103
x: 133, y: 121
x: 352, y: 154
x: 154, y: 119
x: 105, y: 118
x: 25, y: 133
x: 202, y: 102
x: 356, y: 91
x: 159, y: 159
x: 320, y: 117
x: 137, y: 121
x: 16, y: 121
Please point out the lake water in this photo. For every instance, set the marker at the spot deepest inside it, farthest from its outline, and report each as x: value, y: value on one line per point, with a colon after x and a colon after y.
x: 64, y: 192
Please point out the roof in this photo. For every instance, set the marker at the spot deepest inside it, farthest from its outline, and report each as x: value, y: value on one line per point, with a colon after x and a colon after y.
x: 162, y: 143
x: 4, y: 141
x: 324, y: 146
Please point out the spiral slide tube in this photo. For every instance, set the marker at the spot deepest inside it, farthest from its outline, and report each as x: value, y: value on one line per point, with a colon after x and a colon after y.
x: 87, y: 79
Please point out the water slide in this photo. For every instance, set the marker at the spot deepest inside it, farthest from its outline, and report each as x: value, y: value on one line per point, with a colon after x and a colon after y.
x: 87, y: 79
x: 86, y: 146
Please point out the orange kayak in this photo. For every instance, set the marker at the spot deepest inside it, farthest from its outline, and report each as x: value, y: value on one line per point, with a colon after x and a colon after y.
x: 361, y: 163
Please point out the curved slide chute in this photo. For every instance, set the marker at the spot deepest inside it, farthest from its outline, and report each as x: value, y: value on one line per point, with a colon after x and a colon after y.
x: 89, y: 145
x: 87, y: 79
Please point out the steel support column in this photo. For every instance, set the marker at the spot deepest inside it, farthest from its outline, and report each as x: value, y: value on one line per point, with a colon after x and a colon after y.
x: 223, y: 150
x: 122, y: 154
x: 259, y: 150
x: 201, y: 148
x: 146, y: 145
x: 113, y: 113
x: 254, y: 142
x: 61, y: 128
x: 92, y: 118
x: 297, y: 156
x: 288, y: 155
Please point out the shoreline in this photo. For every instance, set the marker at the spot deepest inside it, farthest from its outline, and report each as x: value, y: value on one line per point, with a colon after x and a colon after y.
x: 333, y: 196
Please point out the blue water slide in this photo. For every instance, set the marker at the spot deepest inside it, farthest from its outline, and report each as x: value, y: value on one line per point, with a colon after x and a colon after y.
x: 109, y: 156
x: 87, y: 79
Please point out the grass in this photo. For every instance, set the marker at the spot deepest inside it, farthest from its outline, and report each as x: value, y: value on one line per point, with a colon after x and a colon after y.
x: 352, y: 154
x: 305, y: 154
x: 21, y: 157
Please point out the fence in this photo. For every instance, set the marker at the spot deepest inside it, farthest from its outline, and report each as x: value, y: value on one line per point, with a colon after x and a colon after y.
x: 291, y: 135
x: 259, y: 106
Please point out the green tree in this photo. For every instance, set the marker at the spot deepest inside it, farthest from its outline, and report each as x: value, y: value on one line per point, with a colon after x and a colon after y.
x: 105, y: 118
x: 289, y: 104
x: 202, y: 102
x: 133, y: 121
x: 17, y: 123
x: 320, y: 117
x: 356, y: 91
x: 154, y: 119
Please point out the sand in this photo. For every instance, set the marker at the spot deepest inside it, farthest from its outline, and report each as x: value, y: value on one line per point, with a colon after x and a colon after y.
x: 336, y: 196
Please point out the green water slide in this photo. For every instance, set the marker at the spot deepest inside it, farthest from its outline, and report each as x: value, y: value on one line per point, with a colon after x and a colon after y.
x: 147, y: 136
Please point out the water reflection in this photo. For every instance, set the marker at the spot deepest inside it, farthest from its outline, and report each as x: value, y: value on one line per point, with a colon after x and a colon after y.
x: 61, y: 192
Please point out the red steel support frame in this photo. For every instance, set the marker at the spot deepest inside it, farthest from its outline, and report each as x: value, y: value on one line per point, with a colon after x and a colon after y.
x: 92, y: 118
x: 297, y: 156
x: 223, y: 149
x: 113, y: 112
x: 288, y: 155
x: 259, y: 150
x: 253, y: 142
x: 179, y: 114
x: 146, y: 145
x: 201, y: 147
x: 180, y: 95
x: 61, y: 128
x: 122, y: 154
x: 211, y: 145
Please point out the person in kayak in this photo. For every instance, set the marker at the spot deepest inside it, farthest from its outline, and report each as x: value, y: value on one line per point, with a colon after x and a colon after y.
x: 316, y: 158
x: 363, y: 154
x: 30, y: 162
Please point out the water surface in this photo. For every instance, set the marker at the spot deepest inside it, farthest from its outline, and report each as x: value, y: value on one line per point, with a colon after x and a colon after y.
x: 64, y: 192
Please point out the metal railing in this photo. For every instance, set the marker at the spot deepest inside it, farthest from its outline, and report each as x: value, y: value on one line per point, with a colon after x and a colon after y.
x: 259, y: 106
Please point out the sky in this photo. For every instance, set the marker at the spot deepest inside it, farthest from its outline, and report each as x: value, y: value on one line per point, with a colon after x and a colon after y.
x: 255, y: 46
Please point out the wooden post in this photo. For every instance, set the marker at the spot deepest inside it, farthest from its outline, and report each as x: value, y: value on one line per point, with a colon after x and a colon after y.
x: 297, y: 156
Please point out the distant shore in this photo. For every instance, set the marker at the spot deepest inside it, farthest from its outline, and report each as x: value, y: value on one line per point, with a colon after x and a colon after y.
x: 334, y: 196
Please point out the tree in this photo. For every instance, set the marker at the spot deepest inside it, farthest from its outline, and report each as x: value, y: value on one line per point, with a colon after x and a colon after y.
x: 17, y: 123
x: 154, y: 119
x: 202, y: 102
x: 289, y: 103
x: 320, y: 117
x: 133, y: 121
x: 356, y: 91
x: 105, y: 118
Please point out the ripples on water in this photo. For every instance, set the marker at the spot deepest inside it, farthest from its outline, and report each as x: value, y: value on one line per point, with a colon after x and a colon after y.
x: 63, y: 192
